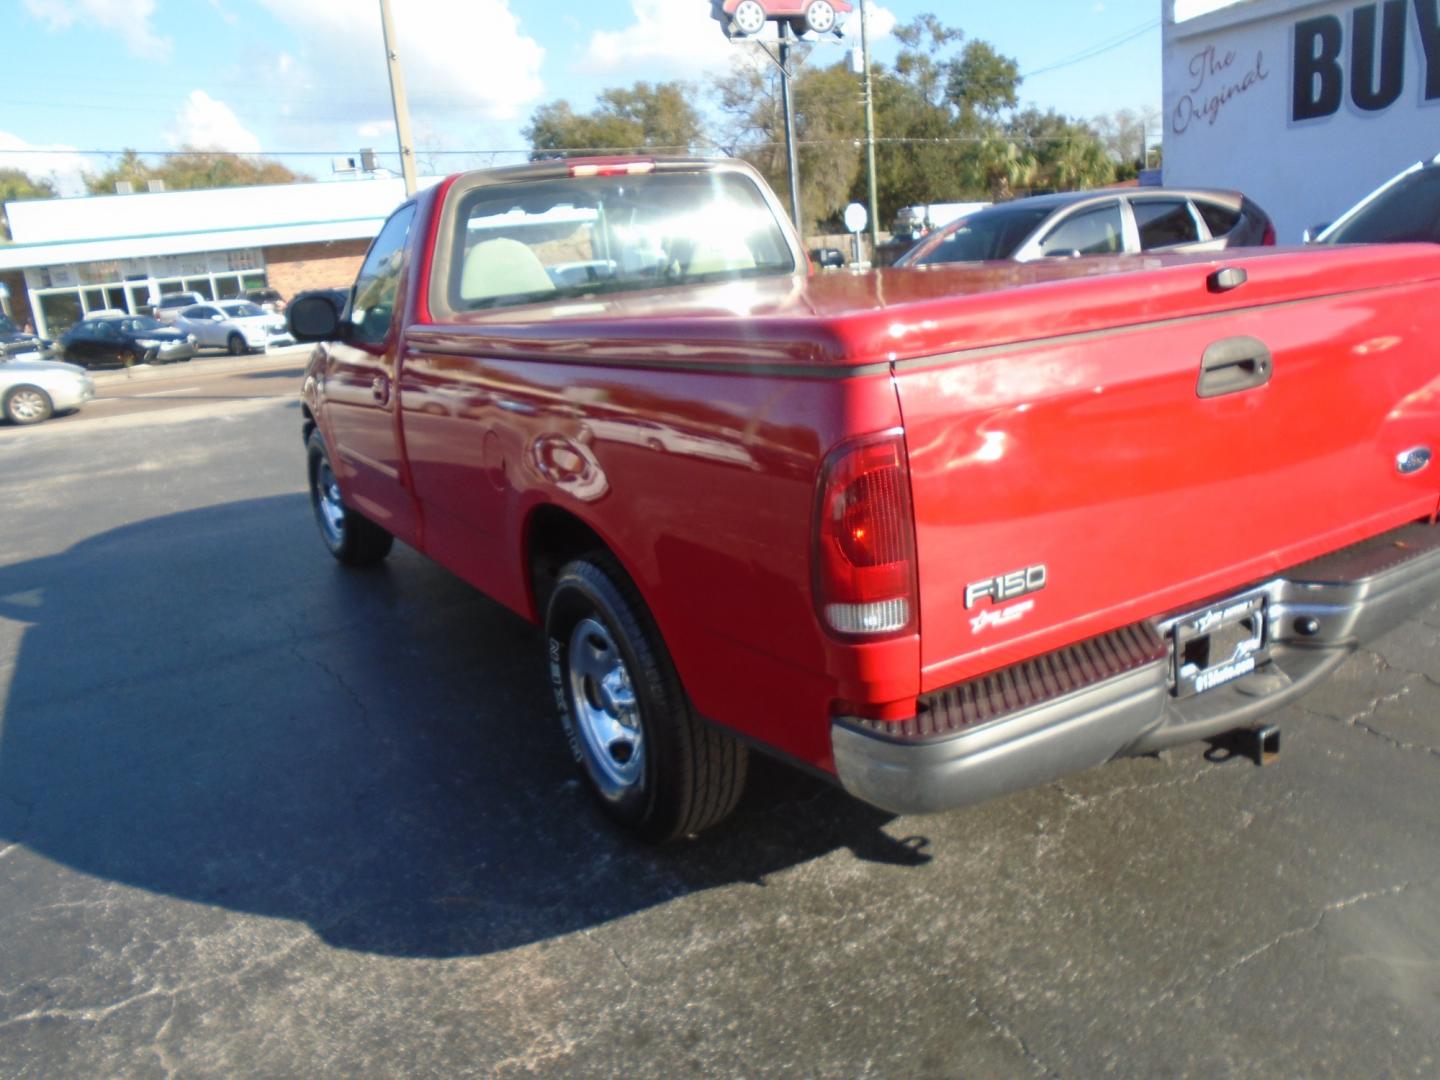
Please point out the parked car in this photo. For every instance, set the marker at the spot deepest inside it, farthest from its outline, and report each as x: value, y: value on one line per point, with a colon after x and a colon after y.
x: 35, y: 390
x: 827, y: 258
x: 937, y: 535
x: 238, y: 326
x: 172, y: 304
x: 1105, y: 222
x: 124, y: 341
x: 269, y: 299
x: 748, y: 17
x: 1403, y: 209
x: 16, y: 342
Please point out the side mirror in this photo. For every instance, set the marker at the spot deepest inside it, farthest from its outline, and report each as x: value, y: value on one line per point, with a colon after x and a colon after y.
x: 217, y: 318
x: 313, y: 318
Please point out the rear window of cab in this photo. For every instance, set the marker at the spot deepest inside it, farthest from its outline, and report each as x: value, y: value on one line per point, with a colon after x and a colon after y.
x: 531, y: 242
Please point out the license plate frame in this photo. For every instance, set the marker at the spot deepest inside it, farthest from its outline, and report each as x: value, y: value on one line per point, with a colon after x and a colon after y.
x: 1217, y: 644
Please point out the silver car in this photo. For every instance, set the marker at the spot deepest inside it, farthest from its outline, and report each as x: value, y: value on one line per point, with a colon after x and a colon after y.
x: 237, y: 326
x: 1106, y: 221
x: 35, y: 390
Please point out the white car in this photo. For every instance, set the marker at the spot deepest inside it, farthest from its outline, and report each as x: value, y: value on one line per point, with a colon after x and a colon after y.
x: 235, y: 325
x: 35, y: 390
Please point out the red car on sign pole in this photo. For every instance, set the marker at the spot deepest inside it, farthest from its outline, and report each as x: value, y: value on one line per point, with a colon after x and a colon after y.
x: 748, y: 17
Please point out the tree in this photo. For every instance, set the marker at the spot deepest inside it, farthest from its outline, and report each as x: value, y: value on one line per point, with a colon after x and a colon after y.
x: 16, y: 185
x: 1125, y: 134
x: 1067, y: 154
x: 982, y: 82
x: 193, y: 169
x: 646, y: 116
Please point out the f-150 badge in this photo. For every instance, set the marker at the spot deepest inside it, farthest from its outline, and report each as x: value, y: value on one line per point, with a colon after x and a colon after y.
x: 1005, y: 587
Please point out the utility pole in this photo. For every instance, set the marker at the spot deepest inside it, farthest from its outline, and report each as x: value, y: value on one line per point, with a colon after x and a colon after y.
x: 783, y: 25
x: 397, y: 99
x: 869, y: 125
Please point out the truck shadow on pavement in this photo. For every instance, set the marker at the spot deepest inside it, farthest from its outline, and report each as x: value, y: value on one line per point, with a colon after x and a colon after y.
x: 206, y: 707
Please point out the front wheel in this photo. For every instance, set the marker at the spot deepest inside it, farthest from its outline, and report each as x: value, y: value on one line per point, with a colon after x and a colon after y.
x: 27, y: 405
x: 236, y: 345
x: 352, y: 538
x: 650, y: 763
x: 820, y: 17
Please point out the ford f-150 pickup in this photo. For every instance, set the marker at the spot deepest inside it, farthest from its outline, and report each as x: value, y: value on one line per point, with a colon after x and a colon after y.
x: 937, y: 534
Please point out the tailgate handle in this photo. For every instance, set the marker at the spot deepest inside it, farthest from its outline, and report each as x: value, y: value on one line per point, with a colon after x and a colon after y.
x: 1233, y: 364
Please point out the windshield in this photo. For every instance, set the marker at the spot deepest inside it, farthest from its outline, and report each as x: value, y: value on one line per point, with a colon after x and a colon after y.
x: 989, y: 234
x: 1408, y: 210
x: 524, y: 243
x: 242, y: 311
x: 141, y: 325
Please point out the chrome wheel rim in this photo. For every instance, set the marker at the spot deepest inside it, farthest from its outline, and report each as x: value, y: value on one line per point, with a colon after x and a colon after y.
x: 607, y: 715
x: 820, y: 16
x: 329, y: 510
x: 750, y: 17
x: 27, y: 406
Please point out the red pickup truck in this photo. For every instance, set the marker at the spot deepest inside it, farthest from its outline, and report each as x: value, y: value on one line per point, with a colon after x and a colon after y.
x: 938, y: 534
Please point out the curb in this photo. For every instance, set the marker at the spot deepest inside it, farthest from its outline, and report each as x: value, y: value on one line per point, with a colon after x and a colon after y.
x: 287, y: 356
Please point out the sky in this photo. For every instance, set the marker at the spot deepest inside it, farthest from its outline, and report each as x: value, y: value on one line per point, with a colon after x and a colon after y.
x: 305, y: 80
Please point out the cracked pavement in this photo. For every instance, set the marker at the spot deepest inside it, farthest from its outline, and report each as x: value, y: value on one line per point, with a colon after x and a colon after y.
x: 263, y: 816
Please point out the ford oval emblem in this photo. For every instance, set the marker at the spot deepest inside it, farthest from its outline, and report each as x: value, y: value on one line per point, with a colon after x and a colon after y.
x: 1412, y: 460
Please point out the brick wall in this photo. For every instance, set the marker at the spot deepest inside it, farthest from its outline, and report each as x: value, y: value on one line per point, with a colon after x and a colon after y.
x: 293, y: 268
x: 19, y: 299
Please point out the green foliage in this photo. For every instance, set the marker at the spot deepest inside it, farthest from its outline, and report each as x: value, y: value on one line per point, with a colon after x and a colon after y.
x: 982, y: 82
x: 16, y: 185
x: 192, y: 169
x: 646, y: 116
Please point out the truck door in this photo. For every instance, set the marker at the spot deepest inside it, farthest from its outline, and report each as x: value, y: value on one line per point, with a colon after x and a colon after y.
x: 360, y: 387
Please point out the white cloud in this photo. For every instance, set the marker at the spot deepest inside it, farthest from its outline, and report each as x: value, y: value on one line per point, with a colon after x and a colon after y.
x: 56, y: 162
x: 666, y: 37
x: 208, y: 124
x: 374, y: 129
x: 882, y: 24
x: 457, y: 54
x: 130, y: 19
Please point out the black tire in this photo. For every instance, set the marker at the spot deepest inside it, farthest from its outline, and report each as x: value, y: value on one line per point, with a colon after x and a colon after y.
x: 25, y: 404
x: 690, y: 774
x: 352, y: 538
x: 236, y: 345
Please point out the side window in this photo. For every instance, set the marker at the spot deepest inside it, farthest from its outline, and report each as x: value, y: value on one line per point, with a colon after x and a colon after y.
x: 1164, y: 222
x: 379, y: 279
x: 1218, y: 219
x: 1090, y: 232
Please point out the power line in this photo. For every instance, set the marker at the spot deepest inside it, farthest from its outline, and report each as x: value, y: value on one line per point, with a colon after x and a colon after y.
x: 1095, y: 50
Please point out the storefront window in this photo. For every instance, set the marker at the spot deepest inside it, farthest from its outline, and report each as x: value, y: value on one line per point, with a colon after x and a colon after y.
x: 61, y: 312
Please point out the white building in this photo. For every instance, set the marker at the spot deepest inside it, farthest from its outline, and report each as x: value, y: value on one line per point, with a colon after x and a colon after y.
x: 1304, y: 106
x: 75, y: 256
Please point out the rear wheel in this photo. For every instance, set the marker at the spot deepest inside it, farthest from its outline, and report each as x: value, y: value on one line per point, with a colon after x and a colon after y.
x: 236, y: 344
x: 650, y: 763
x: 27, y: 405
x: 749, y: 18
x: 352, y: 538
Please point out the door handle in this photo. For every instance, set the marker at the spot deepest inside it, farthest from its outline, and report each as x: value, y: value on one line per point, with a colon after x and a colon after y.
x: 1233, y: 364
x: 380, y: 389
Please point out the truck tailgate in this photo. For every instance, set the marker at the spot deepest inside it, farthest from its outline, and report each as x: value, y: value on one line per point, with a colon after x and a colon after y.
x: 1101, y: 453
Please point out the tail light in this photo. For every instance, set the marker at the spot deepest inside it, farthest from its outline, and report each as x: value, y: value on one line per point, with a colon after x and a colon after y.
x: 1268, y: 240
x: 612, y: 167
x: 865, y: 540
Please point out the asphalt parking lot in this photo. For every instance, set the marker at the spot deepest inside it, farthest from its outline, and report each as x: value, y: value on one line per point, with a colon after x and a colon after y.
x: 263, y: 816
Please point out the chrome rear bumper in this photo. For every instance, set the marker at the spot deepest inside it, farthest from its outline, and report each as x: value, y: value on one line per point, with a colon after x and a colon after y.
x: 1032, y: 723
